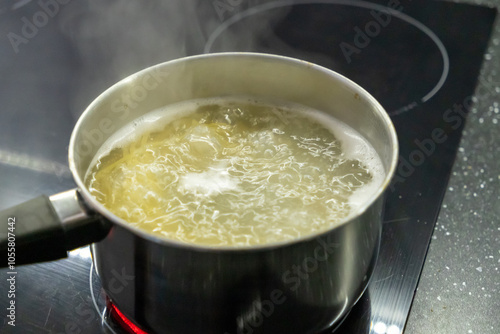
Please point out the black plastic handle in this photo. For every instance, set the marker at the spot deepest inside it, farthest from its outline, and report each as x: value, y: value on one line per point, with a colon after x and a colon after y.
x: 33, y: 232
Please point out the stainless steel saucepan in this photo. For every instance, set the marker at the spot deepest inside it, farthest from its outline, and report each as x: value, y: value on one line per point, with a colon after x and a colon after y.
x: 299, y: 286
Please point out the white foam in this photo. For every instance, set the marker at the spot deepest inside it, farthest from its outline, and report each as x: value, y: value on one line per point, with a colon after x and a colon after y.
x: 354, y: 147
x: 214, y: 181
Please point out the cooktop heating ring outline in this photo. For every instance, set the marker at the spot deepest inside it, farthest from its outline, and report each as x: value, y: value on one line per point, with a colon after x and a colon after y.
x: 362, y: 4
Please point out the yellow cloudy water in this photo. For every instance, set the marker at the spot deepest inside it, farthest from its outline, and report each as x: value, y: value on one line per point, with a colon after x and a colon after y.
x: 230, y: 173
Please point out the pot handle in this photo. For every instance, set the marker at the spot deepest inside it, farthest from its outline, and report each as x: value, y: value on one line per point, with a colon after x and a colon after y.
x: 45, y: 228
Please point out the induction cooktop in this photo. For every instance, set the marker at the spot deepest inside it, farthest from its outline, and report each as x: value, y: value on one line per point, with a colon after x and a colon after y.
x: 421, y: 61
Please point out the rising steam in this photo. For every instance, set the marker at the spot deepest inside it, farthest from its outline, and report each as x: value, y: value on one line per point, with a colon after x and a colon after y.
x: 113, y: 39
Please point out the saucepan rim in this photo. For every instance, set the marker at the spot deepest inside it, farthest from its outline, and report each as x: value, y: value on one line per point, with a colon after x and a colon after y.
x: 99, y: 209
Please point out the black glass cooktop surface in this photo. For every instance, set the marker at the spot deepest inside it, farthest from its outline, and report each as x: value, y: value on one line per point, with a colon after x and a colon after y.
x: 420, y: 61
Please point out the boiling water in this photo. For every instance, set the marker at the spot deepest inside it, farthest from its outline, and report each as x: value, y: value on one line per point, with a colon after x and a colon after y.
x: 234, y: 172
